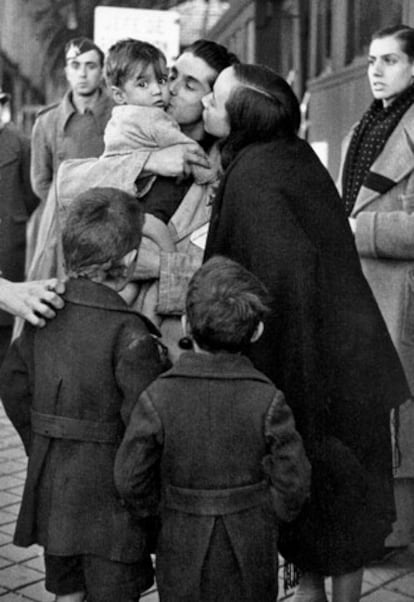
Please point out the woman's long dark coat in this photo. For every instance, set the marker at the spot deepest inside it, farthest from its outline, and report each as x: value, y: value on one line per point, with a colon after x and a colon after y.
x: 325, y: 345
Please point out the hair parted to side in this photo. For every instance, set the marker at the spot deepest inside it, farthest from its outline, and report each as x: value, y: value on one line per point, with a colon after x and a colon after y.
x: 102, y: 225
x: 403, y: 33
x: 262, y: 108
x: 215, y: 55
x: 124, y: 56
x: 81, y: 45
x: 225, y: 303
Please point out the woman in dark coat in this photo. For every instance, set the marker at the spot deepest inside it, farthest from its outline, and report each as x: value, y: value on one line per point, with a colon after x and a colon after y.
x: 325, y: 343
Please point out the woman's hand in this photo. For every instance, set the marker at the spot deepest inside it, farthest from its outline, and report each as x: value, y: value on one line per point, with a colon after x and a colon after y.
x: 32, y: 301
x: 175, y: 160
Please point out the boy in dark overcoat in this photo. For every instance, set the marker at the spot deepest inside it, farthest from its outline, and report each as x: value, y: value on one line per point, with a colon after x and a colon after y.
x: 69, y: 390
x: 215, y: 440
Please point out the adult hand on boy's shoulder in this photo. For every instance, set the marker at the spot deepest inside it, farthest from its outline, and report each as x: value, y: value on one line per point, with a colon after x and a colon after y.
x: 32, y: 301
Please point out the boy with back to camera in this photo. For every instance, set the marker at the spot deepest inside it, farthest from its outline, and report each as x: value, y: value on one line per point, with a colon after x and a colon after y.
x: 69, y: 390
x: 214, y: 443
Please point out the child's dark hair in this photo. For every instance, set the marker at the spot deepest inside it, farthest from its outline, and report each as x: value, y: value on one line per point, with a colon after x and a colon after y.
x: 125, y: 55
x: 224, y: 306
x: 101, y: 226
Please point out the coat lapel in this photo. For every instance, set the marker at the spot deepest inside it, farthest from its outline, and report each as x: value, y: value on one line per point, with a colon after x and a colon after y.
x: 395, y: 161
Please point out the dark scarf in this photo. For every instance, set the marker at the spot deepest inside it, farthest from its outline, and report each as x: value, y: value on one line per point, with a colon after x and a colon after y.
x: 367, y: 142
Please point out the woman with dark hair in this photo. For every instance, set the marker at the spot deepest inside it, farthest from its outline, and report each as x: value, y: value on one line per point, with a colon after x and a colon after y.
x: 377, y: 181
x: 325, y: 343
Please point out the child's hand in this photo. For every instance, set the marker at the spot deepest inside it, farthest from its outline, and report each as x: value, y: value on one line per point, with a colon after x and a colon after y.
x: 175, y: 160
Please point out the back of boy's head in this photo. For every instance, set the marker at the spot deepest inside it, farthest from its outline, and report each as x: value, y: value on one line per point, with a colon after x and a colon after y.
x: 224, y: 306
x: 124, y: 56
x: 101, y: 226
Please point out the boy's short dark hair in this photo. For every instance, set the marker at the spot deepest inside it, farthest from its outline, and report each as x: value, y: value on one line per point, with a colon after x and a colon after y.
x: 123, y: 57
x: 225, y: 304
x: 101, y: 226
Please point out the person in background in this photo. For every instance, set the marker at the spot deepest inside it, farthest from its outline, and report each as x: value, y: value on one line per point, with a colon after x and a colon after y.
x: 17, y: 203
x: 68, y: 390
x: 325, y: 343
x: 214, y: 439
x: 72, y: 128
x: 377, y: 185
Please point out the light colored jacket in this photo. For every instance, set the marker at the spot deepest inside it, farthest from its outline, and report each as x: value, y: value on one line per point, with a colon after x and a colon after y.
x: 384, y: 238
x: 52, y: 143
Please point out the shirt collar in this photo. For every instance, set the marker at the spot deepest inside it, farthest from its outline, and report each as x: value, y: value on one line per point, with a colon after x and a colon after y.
x: 98, y: 109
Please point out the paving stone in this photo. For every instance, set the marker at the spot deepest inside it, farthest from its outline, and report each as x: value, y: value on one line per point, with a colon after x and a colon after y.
x: 16, y: 554
x: 8, y: 442
x: 382, y: 595
x: 37, y: 592
x: 5, y: 562
x: 8, y: 528
x: 15, y: 453
x: 10, y: 597
x: 376, y: 576
x: 13, y: 510
x: 37, y: 563
x: 17, y: 490
x: 9, y: 482
x: 5, y: 538
x: 6, y: 499
x: 17, y: 576
x: 6, y: 517
x: 403, y: 585
x: 12, y: 467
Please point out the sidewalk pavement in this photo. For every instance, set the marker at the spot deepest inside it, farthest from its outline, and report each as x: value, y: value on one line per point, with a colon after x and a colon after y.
x: 21, y: 569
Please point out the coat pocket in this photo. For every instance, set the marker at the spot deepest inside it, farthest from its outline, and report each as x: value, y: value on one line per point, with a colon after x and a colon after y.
x: 407, y: 324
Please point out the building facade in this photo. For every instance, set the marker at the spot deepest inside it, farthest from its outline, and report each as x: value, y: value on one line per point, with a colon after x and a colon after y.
x: 20, y: 59
x: 320, y: 47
